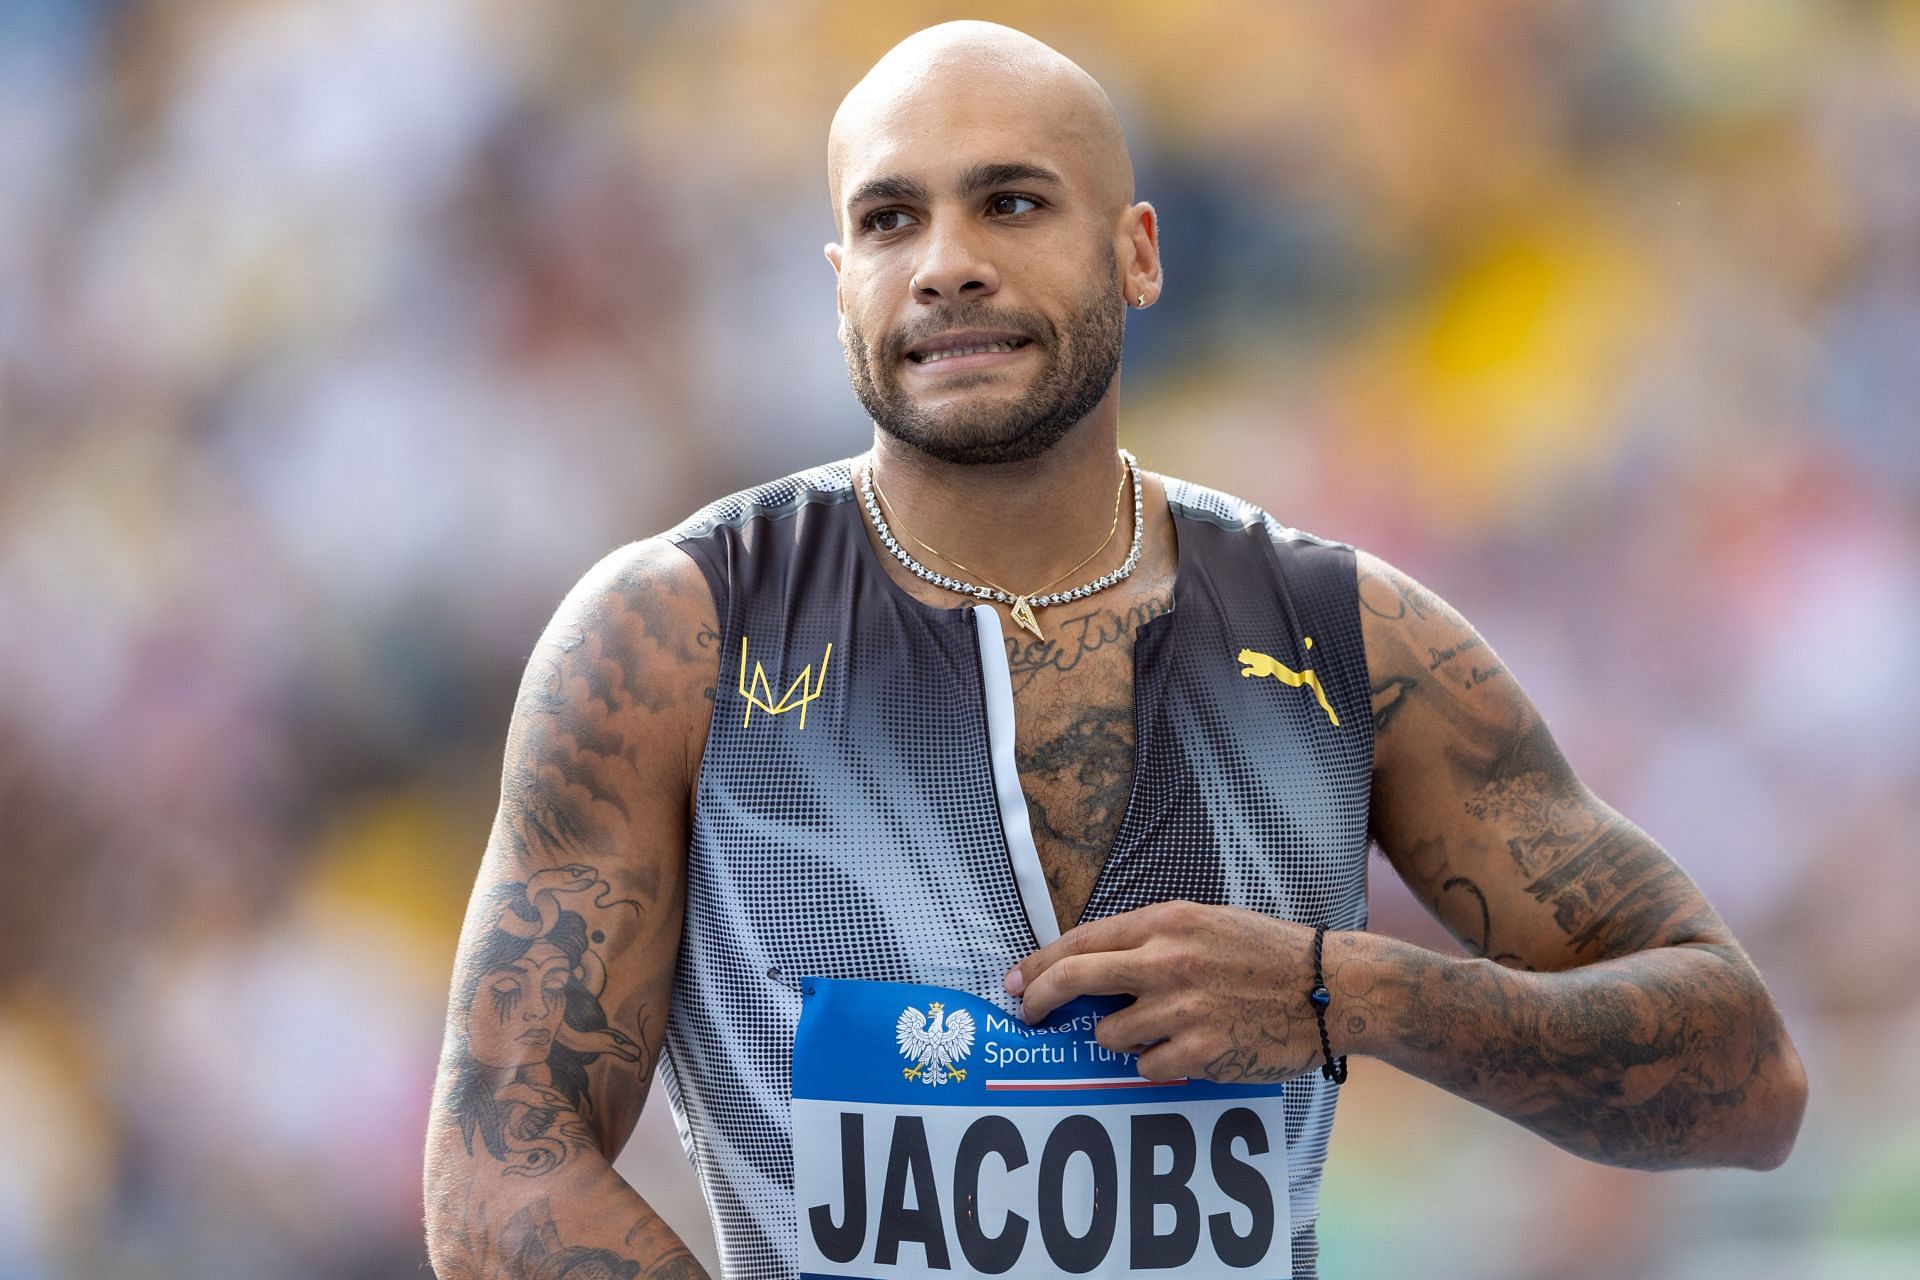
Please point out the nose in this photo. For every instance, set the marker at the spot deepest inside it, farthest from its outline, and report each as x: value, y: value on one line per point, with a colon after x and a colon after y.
x: 953, y: 265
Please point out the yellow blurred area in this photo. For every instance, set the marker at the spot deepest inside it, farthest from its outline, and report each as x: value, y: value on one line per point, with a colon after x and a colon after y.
x: 61, y: 1147
x: 406, y: 855
x: 1508, y: 375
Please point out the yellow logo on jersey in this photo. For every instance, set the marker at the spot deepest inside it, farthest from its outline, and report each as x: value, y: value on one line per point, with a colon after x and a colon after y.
x: 760, y: 693
x: 1259, y: 664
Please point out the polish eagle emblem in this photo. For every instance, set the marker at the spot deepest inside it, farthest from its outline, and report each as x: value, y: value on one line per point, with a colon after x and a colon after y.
x: 934, y: 1048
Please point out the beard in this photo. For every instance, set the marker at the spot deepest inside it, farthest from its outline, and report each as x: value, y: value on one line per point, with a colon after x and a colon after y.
x: 1083, y: 356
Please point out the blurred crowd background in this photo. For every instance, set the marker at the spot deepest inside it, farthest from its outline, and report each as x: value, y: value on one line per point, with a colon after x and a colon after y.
x: 338, y: 337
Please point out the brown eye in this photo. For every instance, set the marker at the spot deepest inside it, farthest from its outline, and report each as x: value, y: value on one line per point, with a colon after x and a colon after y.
x: 886, y: 220
x: 1008, y: 205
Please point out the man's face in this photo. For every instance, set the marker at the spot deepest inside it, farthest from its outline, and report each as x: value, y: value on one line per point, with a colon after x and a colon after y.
x: 979, y: 286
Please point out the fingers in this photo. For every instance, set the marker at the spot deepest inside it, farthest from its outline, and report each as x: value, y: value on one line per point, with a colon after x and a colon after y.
x: 1122, y: 932
x: 1134, y: 1028
x: 1162, y: 1062
x: 1215, y: 989
x: 1105, y: 973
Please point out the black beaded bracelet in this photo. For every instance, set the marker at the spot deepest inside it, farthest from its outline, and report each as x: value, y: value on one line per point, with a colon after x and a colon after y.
x: 1334, y: 1069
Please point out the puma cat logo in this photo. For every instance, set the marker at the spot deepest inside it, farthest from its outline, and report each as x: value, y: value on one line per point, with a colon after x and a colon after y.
x: 1254, y: 663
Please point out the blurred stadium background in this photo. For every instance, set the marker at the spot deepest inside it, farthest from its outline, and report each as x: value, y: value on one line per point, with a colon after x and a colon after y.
x: 337, y: 337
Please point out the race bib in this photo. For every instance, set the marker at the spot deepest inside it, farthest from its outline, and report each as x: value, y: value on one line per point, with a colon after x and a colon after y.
x: 934, y: 1133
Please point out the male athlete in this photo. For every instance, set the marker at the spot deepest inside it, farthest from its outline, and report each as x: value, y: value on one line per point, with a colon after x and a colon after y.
x: 976, y: 830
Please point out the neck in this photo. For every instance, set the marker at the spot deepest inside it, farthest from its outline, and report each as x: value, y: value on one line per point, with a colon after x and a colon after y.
x: 1018, y: 523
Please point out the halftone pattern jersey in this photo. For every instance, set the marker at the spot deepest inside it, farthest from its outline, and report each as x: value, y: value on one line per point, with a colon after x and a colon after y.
x: 847, y: 822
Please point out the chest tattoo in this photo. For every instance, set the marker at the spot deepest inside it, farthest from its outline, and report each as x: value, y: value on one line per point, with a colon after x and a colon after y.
x: 1074, y: 740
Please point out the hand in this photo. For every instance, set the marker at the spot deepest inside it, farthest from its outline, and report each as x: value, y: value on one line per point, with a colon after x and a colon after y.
x: 1219, y: 992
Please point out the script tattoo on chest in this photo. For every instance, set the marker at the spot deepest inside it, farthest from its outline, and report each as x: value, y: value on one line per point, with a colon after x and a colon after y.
x: 1073, y: 638
x: 1074, y: 739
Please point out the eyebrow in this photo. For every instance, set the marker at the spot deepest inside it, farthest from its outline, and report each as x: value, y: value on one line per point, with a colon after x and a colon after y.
x: 992, y: 174
x: 976, y: 179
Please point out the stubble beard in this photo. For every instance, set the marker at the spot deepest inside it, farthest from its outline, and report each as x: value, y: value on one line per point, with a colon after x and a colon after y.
x: 1078, y: 372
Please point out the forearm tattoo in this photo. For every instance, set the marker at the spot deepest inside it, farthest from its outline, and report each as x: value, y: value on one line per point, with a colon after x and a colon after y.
x: 1645, y: 1061
x: 1645, y: 1045
x: 531, y: 1246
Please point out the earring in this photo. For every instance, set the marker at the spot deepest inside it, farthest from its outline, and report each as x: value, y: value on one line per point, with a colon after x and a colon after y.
x: 1141, y: 301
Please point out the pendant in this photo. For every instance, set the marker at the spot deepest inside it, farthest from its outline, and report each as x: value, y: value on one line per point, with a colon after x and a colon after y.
x: 1023, y: 616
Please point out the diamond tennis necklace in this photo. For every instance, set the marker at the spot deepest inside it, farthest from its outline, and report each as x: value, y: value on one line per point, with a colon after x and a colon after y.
x: 1023, y: 603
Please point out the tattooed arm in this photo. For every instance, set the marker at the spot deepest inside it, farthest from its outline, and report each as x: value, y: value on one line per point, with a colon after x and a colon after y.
x: 566, y: 960
x: 1607, y: 1008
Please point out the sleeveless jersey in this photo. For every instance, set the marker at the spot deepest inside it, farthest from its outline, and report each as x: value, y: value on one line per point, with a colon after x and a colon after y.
x: 858, y: 813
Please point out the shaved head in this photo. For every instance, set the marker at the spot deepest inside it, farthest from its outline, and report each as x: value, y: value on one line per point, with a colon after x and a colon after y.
x: 1022, y: 78
x: 989, y: 244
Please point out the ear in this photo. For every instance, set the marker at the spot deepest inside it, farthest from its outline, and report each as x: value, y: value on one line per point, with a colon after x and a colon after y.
x: 839, y: 299
x: 1138, y: 245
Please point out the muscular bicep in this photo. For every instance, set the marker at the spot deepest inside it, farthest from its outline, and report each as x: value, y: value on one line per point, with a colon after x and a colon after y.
x: 565, y: 963
x: 1481, y: 815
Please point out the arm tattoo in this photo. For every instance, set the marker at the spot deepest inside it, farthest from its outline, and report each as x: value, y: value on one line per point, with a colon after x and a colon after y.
x: 677, y: 1263
x: 1611, y: 889
x: 1644, y: 1061
x: 707, y: 639
x: 544, y: 1059
x: 1396, y: 597
x: 530, y: 1246
x: 531, y: 1249
x: 1424, y: 649
x: 530, y: 1021
x: 1651, y: 1041
x: 1437, y: 657
x: 1389, y: 699
x: 1607, y: 888
x: 1483, y: 945
x: 602, y: 678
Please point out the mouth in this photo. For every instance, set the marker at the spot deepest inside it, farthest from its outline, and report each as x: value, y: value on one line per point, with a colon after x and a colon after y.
x: 966, y: 350
x: 536, y: 1036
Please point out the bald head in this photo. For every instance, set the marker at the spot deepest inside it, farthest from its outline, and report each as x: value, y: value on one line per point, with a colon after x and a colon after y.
x: 977, y: 78
x: 989, y: 244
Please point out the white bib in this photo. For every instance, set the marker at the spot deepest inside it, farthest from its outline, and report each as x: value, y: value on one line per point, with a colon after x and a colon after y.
x: 934, y: 1133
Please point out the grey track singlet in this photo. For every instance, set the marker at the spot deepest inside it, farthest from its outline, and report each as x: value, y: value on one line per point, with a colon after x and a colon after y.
x: 859, y: 816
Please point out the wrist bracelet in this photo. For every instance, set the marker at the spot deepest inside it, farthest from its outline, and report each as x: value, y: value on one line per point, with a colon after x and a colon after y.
x: 1334, y: 1069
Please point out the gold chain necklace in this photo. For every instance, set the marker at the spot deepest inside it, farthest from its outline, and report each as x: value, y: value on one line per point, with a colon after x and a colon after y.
x: 887, y: 504
x: 1022, y: 603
